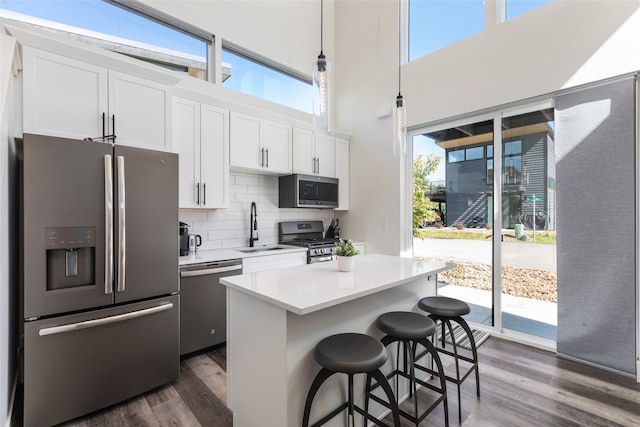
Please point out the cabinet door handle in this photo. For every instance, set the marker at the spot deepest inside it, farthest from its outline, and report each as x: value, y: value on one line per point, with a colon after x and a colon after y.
x: 262, y: 157
x: 204, y: 194
x: 318, y: 165
x: 198, y: 194
x: 267, y: 163
x: 313, y: 165
x: 103, y: 125
x: 113, y: 118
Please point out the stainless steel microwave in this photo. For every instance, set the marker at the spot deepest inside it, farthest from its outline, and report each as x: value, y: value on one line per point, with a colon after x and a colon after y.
x: 308, y: 191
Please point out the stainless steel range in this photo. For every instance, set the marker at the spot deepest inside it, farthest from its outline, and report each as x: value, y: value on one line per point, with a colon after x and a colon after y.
x: 309, y: 234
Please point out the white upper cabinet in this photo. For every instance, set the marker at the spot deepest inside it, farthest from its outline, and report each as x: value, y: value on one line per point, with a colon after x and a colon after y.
x: 214, y: 156
x: 313, y: 154
x: 70, y: 98
x: 325, y: 153
x: 201, y: 138
x: 342, y: 172
x: 63, y: 97
x: 139, y: 111
x: 260, y: 145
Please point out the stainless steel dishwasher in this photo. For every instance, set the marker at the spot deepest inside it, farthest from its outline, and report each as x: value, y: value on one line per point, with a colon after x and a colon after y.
x: 203, y: 304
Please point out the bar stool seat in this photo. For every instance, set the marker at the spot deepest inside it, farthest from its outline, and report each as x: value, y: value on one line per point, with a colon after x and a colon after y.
x: 351, y: 354
x: 446, y: 310
x: 444, y: 306
x: 410, y: 329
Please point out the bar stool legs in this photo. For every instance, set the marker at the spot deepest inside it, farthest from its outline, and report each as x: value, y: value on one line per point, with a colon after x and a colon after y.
x: 350, y: 354
x: 409, y: 330
x: 446, y: 310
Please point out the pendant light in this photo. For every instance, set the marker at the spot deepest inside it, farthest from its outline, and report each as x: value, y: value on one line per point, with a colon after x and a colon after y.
x: 399, y: 106
x: 321, y: 84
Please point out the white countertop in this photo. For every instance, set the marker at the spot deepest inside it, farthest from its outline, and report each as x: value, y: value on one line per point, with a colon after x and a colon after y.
x: 312, y: 287
x: 212, y: 255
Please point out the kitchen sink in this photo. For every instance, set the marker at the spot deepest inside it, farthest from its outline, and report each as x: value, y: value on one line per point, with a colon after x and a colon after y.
x: 262, y: 249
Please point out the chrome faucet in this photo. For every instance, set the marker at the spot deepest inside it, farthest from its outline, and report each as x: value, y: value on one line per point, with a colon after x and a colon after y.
x: 253, y: 224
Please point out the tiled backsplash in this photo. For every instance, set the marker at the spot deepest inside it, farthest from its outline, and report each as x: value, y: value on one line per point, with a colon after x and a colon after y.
x: 229, y: 228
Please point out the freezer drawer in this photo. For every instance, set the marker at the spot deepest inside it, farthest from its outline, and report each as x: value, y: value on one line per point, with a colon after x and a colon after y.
x: 80, y: 363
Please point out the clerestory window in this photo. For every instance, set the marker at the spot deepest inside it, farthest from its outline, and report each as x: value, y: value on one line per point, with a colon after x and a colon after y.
x: 136, y: 30
x: 434, y: 24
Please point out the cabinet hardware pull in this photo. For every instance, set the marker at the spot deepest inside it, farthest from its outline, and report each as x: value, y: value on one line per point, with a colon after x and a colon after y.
x: 198, y: 194
x: 267, y: 165
x: 204, y: 194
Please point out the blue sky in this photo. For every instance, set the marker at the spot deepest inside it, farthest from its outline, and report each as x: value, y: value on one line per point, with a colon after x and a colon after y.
x: 108, y: 19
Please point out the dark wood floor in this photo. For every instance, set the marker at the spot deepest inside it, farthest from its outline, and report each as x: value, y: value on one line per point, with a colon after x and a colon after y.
x: 520, y: 386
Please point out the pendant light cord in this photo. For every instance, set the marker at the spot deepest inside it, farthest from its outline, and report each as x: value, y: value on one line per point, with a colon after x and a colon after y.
x: 399, y: 48
x: 321, y: 23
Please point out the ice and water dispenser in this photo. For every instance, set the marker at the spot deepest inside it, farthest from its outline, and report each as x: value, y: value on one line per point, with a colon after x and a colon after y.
x: 70, y: 257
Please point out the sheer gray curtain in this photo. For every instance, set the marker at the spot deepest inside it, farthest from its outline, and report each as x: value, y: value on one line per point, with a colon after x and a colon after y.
x: 596, y: 224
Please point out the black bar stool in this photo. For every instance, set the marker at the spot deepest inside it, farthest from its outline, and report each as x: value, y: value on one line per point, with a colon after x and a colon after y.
x: 409, y: 329
x: 447, y: 310
x: 350, y: 354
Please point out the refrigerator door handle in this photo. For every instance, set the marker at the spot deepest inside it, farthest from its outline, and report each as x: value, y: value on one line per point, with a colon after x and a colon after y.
x: 122, y: 229
x: 104, y: 321
x: 108, y: 224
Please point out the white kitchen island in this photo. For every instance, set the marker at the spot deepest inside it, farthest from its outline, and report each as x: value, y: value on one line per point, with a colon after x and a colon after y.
x: 275, y: 318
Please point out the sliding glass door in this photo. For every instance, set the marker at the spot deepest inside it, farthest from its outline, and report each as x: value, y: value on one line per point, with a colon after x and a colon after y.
x: 453, y: 210
x: 528, y: 282
x: 484, y: 199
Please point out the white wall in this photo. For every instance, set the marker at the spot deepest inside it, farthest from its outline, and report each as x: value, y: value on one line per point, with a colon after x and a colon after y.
x: 562, y: 44
x: 229, y: 228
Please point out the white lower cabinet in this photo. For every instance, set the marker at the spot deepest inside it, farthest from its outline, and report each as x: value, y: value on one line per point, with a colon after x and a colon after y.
x: 201, y: 138
x: 362, y: 247
x: 273, y: 262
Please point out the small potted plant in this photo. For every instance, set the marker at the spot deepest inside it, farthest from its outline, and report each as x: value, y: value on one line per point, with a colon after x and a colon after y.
x: 345, y: 251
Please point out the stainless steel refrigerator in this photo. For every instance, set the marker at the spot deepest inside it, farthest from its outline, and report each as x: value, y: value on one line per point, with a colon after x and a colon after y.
x: 99, y: 275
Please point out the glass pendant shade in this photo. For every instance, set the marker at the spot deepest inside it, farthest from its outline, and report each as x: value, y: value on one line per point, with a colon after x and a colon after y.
x: 399, y: 126
x: 321, y: 83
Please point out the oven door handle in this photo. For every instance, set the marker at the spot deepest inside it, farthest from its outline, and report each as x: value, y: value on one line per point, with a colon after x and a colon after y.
x: 321, y: 258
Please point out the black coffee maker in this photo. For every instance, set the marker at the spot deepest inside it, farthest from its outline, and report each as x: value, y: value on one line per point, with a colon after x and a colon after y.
x: 184, y: 238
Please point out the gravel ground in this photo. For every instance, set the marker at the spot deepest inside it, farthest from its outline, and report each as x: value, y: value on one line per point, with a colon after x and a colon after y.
x: 520, y: 282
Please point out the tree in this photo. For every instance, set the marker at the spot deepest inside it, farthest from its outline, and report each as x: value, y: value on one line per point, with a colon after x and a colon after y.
x: 422, y: 206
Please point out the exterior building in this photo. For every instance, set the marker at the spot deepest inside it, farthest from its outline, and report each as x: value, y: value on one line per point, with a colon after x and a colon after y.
x: 528, y: 177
